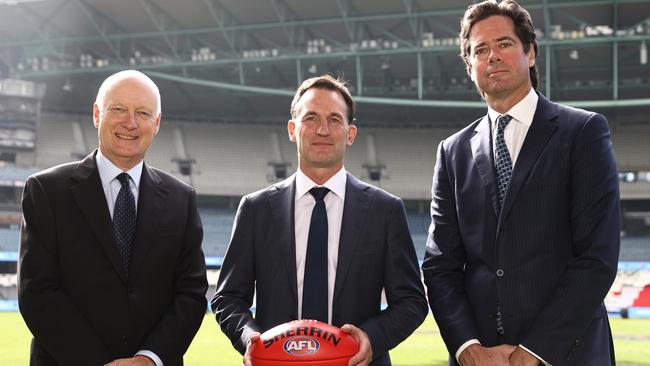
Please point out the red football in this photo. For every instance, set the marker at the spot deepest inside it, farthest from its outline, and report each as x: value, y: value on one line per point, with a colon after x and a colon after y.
x: 304, y: 342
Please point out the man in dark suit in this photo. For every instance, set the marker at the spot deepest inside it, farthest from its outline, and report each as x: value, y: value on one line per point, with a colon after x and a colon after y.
x: 99, y: 283
x: 366, y: 245
x: 524, y: 239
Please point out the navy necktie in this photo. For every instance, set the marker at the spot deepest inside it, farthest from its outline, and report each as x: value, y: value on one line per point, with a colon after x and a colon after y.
x: 503, y: 160
x: 314, y: 286
x: 124, y: 218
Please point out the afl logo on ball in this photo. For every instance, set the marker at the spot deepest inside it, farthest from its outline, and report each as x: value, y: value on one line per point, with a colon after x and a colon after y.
x: 301, y: 346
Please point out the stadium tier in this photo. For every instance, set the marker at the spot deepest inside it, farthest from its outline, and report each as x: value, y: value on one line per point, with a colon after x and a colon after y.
x: 235, y: 159
x: 217, y: 225
x: 631, y: 288
x: 229, y: 160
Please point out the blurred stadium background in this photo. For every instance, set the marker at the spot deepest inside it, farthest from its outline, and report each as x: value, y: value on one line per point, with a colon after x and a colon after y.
x: 227, y: 70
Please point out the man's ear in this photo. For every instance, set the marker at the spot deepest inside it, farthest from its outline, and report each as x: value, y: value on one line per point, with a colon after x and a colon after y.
x: 352, y: 134
x: 158, y: 123
x: 291, y: 129
x: 96, y: 113
x: 531, y: 55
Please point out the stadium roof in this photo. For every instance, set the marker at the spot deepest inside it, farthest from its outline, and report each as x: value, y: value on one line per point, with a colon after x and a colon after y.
x: 239, y: 60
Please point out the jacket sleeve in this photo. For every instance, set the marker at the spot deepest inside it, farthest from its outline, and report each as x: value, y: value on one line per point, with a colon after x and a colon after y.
x: 236, y: 285
x: 54, y: 320
x: 595, y: 233
x: 172, y: 336
x: 407, y: 304
x: 444, y: 262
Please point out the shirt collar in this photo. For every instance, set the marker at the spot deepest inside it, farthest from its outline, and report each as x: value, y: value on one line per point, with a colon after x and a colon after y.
x: 523, y: 111
x: 335, y: 184
x: 108, y: 171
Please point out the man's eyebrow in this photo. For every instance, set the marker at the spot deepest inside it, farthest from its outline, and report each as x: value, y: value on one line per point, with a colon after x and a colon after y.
x: 506, y: 38
x: 500, y: 39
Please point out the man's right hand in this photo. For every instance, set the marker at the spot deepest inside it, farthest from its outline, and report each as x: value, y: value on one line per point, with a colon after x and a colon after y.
x: 477, y: 355
x: 248, y: 361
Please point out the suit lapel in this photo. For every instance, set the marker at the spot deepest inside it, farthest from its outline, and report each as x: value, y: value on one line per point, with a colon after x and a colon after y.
x: 89, y: 196
x: 282, y: 204
x: 482, y: 152
x: 151, y: 201
x: 355, y: 210
x: 542, y: 128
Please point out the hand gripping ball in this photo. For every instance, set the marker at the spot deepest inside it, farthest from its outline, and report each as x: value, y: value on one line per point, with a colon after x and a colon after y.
x: 304, y: 342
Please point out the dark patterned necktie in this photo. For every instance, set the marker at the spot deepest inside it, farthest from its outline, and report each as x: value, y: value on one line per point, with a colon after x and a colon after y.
x: 503, y: 160
x: 314, y: 285
x: 124, y: 218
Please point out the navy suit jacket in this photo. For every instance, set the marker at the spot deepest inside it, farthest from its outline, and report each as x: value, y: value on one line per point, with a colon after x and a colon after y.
x: 549, y: 256
x: 375, y: 252
x: 73, y: 293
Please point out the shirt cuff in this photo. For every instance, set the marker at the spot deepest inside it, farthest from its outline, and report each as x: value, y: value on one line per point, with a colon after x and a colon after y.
x: 465, y: 345
x: 152, y: 356
x: 536, y: 356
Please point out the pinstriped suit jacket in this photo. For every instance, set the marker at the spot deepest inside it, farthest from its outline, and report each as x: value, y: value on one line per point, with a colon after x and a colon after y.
x: 549, y: 256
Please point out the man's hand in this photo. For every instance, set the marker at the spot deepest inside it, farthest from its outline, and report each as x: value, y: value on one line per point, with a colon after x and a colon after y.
x: 364, y: 356
x: 138, y: 360
x: 477, y: 355
x: 521, y: 357
x: 248, y: 361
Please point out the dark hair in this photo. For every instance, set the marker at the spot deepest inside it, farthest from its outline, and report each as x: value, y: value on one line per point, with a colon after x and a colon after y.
x: 508, y: 8
x: 329, y: 83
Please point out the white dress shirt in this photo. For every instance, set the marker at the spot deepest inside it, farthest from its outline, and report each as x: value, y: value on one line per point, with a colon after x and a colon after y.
x: 108, y: 173
x: 514, y: 135
x: 304, y: 205
x: 515, y: 132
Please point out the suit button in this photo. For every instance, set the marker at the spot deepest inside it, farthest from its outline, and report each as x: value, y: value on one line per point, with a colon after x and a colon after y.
x: 499, y: 272
x: 124, y: 340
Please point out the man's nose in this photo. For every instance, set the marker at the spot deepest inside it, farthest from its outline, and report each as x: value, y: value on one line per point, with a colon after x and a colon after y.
x: 131, y: 121
x: 494, y: 55
x: 323, y: 128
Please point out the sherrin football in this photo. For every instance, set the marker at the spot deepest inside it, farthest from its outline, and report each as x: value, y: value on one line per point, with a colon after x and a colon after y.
x: 304, y: 342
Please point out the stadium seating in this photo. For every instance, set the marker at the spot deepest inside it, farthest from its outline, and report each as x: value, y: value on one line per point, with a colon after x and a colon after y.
x: 630, y: 287
x: 217, y: 224
x: 643, y: 299
x: 9, y: 239
x: 232, y: 160
x: 229, y: 160
x: 631, y: 147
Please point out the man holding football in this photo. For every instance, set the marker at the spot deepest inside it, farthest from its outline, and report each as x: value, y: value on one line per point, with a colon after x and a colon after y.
x: 321, y: 244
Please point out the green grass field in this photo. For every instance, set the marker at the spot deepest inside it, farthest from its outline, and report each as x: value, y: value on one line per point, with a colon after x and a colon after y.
x: 424, y: 347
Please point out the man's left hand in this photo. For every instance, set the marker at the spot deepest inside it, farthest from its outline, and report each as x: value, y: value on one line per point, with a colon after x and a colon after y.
x: 521, y: 357
x: 364, y: 356
x: 138, y: 360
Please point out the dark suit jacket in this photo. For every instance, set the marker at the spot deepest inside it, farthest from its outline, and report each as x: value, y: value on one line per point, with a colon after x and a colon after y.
x: 549, y: 257
x: 375, y: 252
x: 73, y: 293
